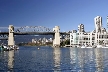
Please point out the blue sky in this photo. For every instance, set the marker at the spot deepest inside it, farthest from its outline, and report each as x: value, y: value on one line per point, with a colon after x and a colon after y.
x: 67, y: 14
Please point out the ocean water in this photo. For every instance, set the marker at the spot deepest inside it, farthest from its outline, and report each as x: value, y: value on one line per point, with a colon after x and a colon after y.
x: 48, y: 59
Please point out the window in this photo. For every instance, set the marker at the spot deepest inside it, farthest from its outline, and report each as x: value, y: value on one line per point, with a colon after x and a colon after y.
x: 107, y: 36
x: 102, y: 36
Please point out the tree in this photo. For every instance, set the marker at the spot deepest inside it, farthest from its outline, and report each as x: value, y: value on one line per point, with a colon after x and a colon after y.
x: 63, y: 43
x: 67, y: 42
x: 100, y: 42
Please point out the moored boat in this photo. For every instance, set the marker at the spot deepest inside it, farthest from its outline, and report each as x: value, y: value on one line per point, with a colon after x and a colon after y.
x: 83, y: 47
x: 89, y: 47
x: 106, y: 46
x: 5, y: 48
x: 99, y: 46
x: 8, y: 48
x: 16, y: 47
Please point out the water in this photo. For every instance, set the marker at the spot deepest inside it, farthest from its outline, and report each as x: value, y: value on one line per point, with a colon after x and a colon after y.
x: 48, y: 59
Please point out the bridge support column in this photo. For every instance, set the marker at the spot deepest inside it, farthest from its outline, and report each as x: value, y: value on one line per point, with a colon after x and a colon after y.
x: 11, y: 35
x: 56, y: 39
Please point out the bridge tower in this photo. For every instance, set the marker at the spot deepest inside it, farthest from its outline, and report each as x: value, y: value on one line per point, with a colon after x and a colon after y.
x: 56, y: 39
x: 11, y: 35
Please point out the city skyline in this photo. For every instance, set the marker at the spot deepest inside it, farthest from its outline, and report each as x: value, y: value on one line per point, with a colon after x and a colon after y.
x: 67, y: 14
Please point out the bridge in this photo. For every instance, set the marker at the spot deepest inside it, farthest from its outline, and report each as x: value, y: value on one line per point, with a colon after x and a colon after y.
x: 33, y: 33
x: 9, y: 32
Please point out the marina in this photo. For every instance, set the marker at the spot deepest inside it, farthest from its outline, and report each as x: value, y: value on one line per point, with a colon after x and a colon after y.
x: 8, y: 48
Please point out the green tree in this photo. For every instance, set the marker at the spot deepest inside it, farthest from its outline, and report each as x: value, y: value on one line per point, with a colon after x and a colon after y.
x: 62, y: 43
x: 67, y: 42
x: 100, y: 42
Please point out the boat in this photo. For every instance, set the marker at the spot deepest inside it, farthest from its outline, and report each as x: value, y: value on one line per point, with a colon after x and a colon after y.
x: 94, y: 46
x: 99, y: 46
x: 5, y: 48
x: 106, y: 46
x: 83, y: 47
x: 16, y: 47
x: 89, y: 47
x: 8, y: 48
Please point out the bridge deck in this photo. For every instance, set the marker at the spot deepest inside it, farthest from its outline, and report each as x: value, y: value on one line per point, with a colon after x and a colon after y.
x: 34, y: 33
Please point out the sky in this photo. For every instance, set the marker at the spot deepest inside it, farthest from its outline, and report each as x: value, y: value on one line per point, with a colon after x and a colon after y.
x: 67, y: 14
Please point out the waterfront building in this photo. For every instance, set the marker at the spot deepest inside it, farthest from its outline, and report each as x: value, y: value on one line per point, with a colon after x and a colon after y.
x: 43, y: 40
x: 81, y: 28
x: 51, y: 40
x: 67, y: 37
x: 47, y: 40
x: 34, y: 40
x: 95, y: 37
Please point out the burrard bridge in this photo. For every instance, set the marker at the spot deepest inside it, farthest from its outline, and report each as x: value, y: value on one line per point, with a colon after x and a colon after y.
x: 9, y: 32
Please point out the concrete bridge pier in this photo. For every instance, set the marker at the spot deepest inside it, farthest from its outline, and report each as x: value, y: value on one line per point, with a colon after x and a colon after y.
x: 56, y: 39
x: 11, y: 35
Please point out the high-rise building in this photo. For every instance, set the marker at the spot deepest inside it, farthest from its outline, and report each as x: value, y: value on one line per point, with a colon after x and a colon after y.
x: 98, y: 36
x: 98, y: 23
x: 81, y: 28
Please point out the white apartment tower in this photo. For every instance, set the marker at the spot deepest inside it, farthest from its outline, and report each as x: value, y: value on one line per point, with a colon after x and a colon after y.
x: 81, y: 28
x: 97, y: 36
x: 98, y: 24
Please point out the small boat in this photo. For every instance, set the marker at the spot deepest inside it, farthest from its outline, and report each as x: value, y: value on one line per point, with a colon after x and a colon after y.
x: 83, y: 47
x: 94, y: 46
x: 89, y: 47
x: 8, y: 48
x: 5, y: 48
x: 15, y: 47
x: 106, y: 46
x: 99, y: 46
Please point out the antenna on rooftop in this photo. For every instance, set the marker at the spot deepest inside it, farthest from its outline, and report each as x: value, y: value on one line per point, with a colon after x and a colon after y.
x: 107, y: 22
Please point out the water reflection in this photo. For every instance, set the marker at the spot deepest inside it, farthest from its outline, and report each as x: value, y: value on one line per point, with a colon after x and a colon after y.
x: 10, y: 59
x: 56, y: 55
x: 82, y: 60
x: 73, y: 58
x: 54, y: 59
x: 99, y: 60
